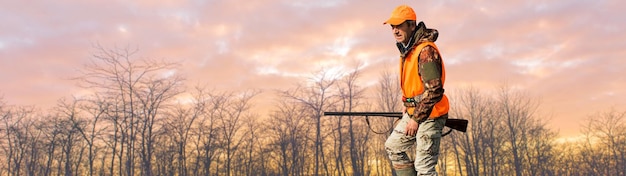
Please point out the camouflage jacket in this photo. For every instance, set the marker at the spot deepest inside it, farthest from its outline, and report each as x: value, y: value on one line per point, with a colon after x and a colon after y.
x: 430, y: 70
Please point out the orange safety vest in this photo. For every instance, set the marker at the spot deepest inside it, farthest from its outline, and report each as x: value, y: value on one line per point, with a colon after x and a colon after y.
x: 412, y: 84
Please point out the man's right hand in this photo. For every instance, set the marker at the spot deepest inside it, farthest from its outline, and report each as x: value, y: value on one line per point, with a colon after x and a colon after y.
x: 411, y: 128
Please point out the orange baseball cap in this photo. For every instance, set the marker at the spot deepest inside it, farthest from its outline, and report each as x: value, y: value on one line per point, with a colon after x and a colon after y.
x: 401, y: 14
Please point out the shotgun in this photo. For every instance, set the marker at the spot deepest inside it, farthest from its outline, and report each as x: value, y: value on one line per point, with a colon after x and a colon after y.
x: 455, y: 124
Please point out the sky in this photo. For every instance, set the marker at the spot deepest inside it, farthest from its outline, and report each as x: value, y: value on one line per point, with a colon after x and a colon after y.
x: 568, y: 54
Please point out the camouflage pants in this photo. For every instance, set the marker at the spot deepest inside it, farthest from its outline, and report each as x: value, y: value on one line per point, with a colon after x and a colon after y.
x: 426, y: 143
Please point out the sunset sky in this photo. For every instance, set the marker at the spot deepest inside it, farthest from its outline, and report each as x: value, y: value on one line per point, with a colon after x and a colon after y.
x: 568, y: 54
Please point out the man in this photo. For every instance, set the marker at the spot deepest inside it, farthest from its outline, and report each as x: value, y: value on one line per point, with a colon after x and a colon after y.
x: 422, y: 76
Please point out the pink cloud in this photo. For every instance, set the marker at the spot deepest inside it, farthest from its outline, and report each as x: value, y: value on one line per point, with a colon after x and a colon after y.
x: 569, y: 53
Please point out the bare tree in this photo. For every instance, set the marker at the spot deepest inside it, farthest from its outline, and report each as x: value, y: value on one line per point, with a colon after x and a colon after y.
x: 70, y: 123
x: 138, y: 89
x: 387, y: 100
x: 153, y: 93
x: 287, y: 130
x: 477, y: 148
x: 505, y: 136
x: 208, y: 133
x: 5, y: 115
x: 317, y: 98
x: 116, y: 137
x: 568, y: 158
x: 389, y: 92
x: 351, y: 94
x: 518, y: 113
x: 179, y: 125
x: 250, y: 154
x: 605, y: 143
x: 231, y: 121
x: 18, y: 127
x: 540, y: 149
x: 130, y: 126
x: 96, y: 109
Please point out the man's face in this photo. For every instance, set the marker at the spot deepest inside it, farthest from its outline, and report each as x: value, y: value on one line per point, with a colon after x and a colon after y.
x: 402, y: 31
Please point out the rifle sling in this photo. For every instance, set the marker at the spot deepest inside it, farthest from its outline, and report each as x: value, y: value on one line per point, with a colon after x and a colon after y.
x: 367, y: 120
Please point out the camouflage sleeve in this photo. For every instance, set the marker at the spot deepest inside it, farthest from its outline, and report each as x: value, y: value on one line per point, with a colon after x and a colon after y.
x: 430, y: 66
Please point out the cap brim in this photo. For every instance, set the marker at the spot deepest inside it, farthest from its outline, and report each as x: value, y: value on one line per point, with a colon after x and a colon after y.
x: 394, y: 21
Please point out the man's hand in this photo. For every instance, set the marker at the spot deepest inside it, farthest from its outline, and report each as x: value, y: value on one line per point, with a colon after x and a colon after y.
x: 411, y: 128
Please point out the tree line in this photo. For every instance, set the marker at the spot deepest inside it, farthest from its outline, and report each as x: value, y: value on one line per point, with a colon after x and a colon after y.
x: 134, y: 123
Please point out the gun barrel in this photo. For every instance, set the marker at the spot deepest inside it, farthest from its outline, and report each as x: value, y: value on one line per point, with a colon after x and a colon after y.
x: 456, y: 124
x: 384, y: 114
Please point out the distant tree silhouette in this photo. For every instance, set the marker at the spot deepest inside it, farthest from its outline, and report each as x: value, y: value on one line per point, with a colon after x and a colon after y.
x: 138, y: 119
x: 317, y: 97
x: 604, y: 143
x: 505, y: 134
x: 137, y: 91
